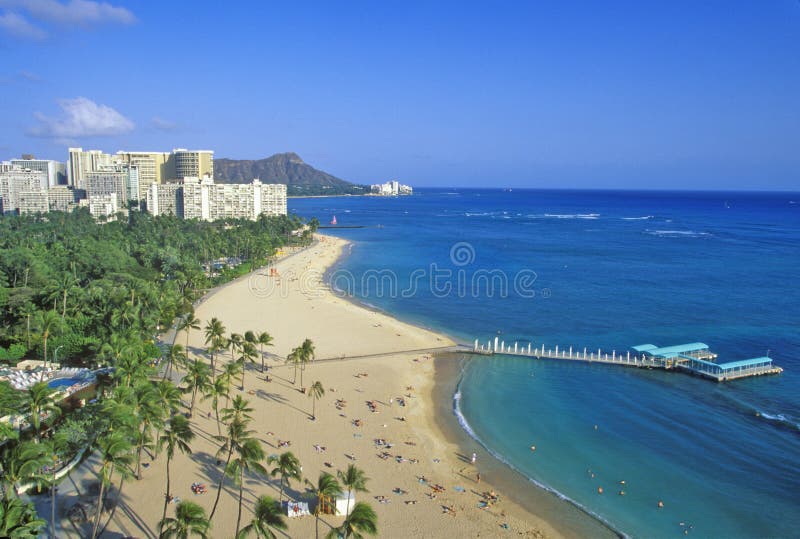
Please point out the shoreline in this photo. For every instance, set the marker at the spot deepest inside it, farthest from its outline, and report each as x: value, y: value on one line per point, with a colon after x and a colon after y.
x: 446, y: 378
x: 573, y: 521
x: 384, y: 409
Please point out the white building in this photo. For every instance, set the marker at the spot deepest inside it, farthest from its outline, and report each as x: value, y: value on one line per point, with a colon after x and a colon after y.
x: 55, y: 170
x: 165, y: 199
x: 16, y: 180
x: 203, y: 199
x: 81, y: 162
x: 113, y: 180
x: 35, y: 201
x: 103, y: 206
x: 63, y: 198
x: 391, y: 188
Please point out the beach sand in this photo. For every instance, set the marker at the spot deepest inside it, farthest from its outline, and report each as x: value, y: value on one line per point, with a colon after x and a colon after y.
x: 397, y: 367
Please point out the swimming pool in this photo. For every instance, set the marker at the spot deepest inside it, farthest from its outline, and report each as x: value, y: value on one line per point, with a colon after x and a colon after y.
x: 64, y: 382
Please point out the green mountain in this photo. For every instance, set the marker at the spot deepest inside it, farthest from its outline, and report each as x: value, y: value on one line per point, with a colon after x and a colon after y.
x: 299, y: 177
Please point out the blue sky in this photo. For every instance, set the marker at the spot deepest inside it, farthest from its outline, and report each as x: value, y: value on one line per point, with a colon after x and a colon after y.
x: 640, y: 94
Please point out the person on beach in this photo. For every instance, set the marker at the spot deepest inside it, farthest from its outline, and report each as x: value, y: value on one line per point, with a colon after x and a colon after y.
x: 478, y: 479
x: 474, y: 457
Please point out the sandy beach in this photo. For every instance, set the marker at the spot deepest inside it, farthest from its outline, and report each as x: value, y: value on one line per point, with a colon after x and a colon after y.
x: 363, y: 357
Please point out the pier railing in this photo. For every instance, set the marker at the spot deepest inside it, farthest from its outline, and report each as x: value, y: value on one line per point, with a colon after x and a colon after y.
x: 573, y: 353
x: 570, y: 353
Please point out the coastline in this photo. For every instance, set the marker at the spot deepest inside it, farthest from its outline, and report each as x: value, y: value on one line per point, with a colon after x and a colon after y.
x: 365, y: 356
x: 572, y: 521
x: 567, y: 519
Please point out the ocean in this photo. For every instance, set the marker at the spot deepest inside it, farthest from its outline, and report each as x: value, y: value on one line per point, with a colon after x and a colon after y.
x: 610, y: 270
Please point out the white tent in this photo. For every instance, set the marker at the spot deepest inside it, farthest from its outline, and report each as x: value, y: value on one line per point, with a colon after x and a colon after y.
x: 341, y: 502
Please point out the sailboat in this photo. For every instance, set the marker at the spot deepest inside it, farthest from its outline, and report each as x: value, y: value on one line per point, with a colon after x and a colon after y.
x: 333, y: 221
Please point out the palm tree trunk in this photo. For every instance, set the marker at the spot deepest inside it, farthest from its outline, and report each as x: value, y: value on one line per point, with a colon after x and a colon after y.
x: 45, y: 353
x: 241, y: 490
x: 313, y: 407
x: 243, y: 367
x: 53, y: 504
x: 216, y: 413
x: 262, y: 359
x: 166, y: 502
x: 139, y: 462
x: 99, y: 509
x: 113, y: 509
x: 191, y: 408
x: 221, y: 480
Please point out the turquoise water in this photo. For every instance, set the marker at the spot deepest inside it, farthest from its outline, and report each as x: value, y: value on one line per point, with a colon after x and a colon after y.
x: 612, y: 270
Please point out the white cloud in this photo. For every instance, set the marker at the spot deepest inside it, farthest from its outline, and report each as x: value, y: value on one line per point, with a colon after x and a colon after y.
x: 81, y: 117
x: 162, y: 124
x: 73, y: 12
x: 18, y: 26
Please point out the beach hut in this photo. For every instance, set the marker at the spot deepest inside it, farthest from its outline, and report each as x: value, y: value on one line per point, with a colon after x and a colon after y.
x: 341, y: 502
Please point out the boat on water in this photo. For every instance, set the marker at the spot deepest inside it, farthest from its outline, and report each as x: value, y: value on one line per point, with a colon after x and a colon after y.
x: 333, y: 221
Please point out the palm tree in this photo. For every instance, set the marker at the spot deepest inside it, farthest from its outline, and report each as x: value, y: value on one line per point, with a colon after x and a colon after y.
x: 230, y: 372
x: 196, y: 379
x: 176, y: 436
x: 115, y: 453
x: 361, y: 519
x: 23, y: 462
x: 236, y: 435
x: 327, y: 487
x: 249, y: 457
x: 216, y: 389
x: 239, y: 411
x: 188, y: 323
x: 300, y: 356
x: 169, y: 395
x: 263, y: 339
x: 115, y: 347
x: 59, y: 290
x: 294, y: 359
x: 249, y: 354
x: 316, y: 391
x: 266, y: 515
x: 288, y: 467
x: 307, y: 351
x: 354, y: 479
x: 176, y: 355
x: 48, y: 323
x: 215, y: 335
x: 234, y: 343
x: 40, y: 401
x: 150, y: 413
x: 190, y: 519
x: 19, y: 519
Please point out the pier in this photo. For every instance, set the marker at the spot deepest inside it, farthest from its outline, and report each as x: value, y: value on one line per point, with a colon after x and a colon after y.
x: 693, y: 358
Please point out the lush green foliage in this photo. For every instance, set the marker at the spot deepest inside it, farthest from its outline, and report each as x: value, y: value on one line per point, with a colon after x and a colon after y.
x: 69, y: 284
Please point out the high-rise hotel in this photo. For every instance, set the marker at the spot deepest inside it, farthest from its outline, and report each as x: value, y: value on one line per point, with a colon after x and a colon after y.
x: 201, y: 198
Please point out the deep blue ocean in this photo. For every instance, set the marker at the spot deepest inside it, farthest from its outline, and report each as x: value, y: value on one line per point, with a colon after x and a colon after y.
x: 608, y: 269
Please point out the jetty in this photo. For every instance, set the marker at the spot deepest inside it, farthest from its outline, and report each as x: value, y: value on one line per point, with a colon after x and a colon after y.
x: 691, y: 358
